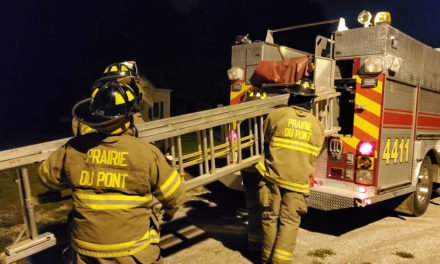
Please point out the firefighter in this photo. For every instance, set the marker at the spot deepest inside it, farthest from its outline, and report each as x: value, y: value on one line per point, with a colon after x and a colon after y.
x: 293, y: 138
x: 113, y: 177
x: 127, y: 73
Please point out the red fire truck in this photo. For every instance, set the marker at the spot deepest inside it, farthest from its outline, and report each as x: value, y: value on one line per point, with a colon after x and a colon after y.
x: 379, y: 100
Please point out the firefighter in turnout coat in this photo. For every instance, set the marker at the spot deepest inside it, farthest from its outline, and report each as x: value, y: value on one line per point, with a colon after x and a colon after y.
x: 293, y: 139
x: 114, y: 177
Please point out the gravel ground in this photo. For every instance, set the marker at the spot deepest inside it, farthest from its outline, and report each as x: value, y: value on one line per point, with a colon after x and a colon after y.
x: 360, y: 235
x: 209, y: 230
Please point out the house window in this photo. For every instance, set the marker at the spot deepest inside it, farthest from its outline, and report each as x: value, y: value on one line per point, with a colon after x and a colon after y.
x: 156, y: 112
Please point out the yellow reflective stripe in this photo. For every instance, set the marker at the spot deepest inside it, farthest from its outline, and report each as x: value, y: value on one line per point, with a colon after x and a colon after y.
x: 171, y: 184
x: 169, y: 181
x: 85, y: 129
x: 172, y: 190
x: 119, y: 99
x: 297, y: 187
x: 371, y: 105
x: 104, y: 206
x: 281, y: 257
x: 130, y: 96
x: 124, y: 68
x: 283, y: 252
x: 94, y: 92
x: 120, y: 130
x: 366, y: 126
x: 110, y: 202
x: 154, y: 236
x: 291, y: 141
x: 106, y: 70
x: 302, y: 149
x: 261, y: 168
x: 118, y: 197
x: 113, y: 69
x: 110, y: 247
x: 115, y: 250
x: 117, y: 131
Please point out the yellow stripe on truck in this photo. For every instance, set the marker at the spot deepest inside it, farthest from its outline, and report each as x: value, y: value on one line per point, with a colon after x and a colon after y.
x: 366, y: 126
x: 371, y: 106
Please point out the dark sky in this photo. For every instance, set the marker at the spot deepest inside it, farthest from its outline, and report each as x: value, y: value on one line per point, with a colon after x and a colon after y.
x: 51, y: 51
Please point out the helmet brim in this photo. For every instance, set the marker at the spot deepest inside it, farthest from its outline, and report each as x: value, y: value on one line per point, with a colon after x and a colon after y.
x: 81, y: 112
x: 290, y: 91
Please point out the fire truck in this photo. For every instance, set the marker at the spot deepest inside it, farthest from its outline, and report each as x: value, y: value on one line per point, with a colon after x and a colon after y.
x: 379, y: 100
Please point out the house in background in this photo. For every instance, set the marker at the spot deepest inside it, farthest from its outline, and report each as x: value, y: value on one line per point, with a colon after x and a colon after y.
x: 157, y: 102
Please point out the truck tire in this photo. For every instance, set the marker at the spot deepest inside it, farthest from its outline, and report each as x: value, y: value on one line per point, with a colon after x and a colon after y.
x: 422, y: 194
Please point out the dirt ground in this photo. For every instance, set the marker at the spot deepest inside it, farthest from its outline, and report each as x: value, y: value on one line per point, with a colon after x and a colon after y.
x: 210, y: 230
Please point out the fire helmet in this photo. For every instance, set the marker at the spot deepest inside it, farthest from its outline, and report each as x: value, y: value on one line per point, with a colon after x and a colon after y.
x: 303, y: 87
x: 120, y: 70
x: 109, y: 109
x: 255, y: 94
x: 125, y: 72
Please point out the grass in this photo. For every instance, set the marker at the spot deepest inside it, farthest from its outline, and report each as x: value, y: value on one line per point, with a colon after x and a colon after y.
x: 321, y: 253
x: 404, y: 254
x: 11, y: 218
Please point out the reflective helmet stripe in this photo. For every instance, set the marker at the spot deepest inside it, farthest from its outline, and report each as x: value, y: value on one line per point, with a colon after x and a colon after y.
x: 119, y: 99
x: 94, y: 92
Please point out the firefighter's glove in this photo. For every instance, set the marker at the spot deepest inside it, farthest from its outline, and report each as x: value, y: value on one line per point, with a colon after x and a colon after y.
x: 167, y: 217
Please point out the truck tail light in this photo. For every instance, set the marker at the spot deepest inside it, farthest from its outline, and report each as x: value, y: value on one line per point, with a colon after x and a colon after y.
x: 365, y: 162
x: 365, y: 148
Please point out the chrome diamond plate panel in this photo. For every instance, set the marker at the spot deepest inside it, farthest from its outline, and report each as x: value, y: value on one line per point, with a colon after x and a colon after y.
x: 321, y: 162
x: 327, y: 201
x: 361, y: 41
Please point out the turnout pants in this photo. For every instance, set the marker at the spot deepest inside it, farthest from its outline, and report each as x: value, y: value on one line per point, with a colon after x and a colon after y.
x: 150, y: 255
x: 281, y: 216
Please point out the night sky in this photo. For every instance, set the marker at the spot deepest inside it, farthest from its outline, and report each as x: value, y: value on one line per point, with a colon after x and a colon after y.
x: 51, y: 51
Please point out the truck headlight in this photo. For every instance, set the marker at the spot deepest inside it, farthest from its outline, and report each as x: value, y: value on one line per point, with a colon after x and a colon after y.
x: 235, y: 73
x: 374, y: 64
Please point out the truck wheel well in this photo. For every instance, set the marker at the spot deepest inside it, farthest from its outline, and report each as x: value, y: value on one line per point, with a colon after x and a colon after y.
x: 434, y: 156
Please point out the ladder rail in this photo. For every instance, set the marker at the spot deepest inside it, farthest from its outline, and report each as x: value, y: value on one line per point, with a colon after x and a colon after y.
x: 154, y: 130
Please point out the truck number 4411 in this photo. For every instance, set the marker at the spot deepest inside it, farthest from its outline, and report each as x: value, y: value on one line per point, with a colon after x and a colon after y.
x: 398, y: 150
